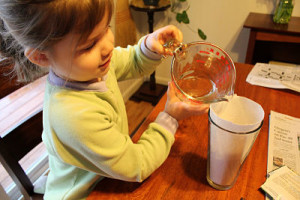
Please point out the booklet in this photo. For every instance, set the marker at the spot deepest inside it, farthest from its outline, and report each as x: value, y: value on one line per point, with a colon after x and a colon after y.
x: 276, y: 76
x: 284, y: 155
x: 283, y: 184
x: 284, y: 142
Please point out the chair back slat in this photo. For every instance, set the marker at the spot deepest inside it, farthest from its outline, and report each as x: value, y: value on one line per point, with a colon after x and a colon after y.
x: 25, y: 137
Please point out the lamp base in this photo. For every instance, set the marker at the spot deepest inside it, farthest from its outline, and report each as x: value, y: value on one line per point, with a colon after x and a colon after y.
x: 149, y: 94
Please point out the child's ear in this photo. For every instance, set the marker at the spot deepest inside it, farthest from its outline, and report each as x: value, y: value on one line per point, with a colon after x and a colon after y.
x: 37, y: 57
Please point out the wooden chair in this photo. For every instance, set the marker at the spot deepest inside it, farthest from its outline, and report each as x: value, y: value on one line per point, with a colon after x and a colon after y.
x: 8, y: 82
x: 15, y: 146
x: 20, y: 131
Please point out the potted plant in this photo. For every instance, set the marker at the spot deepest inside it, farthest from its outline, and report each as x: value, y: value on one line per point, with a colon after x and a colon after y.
x: 180, y: 8
x: 283, y: 12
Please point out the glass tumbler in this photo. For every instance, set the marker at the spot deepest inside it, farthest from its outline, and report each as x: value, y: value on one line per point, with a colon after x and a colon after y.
x: 233, y: 128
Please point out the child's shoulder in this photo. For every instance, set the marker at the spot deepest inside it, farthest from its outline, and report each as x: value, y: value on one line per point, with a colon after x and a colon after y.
x: 69, y: 108
x: 74, y: 99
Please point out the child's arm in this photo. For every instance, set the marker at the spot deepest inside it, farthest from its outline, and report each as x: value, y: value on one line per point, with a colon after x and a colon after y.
x: 181, y: 110
x: 142, y: 59
x: 175, y: 110
x: 155, y: 41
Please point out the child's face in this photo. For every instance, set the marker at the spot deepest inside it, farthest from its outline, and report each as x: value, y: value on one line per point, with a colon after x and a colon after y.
x: 87, y: 61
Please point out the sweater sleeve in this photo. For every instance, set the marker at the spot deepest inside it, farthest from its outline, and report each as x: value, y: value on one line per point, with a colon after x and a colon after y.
x: 134, y: 61
x: 91, y: 139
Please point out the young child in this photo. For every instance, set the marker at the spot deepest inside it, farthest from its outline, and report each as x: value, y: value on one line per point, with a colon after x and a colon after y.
x: 84, y: 117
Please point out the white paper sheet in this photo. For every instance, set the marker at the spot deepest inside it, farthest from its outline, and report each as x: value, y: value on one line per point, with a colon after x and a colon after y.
x: 275, y: 76
x: 283, y: 150
x: 284, y: 142
x: 283, y: 184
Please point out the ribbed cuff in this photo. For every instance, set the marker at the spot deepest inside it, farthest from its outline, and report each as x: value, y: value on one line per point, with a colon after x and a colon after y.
x: 167, y: 121
x: 147, y: 52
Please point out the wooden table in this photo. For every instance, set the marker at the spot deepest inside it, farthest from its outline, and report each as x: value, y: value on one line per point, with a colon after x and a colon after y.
x: 270, y: 41
x: 183, y: 174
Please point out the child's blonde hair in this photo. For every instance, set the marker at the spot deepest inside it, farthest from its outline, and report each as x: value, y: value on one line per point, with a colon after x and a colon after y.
x: 41, y: 23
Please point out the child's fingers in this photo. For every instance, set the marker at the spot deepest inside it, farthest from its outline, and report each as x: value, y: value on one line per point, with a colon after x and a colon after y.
x: 172, y: 92
x: 196, y: 110
x: 171, y: 88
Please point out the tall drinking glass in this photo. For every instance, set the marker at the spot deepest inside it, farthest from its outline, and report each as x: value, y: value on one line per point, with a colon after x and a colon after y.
x: 233, y: 128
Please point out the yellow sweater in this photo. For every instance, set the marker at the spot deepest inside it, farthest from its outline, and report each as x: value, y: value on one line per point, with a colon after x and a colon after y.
x: 86, y: 131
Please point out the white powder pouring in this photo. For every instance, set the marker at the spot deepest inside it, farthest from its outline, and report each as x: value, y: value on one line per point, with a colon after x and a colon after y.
x: 229, y: 150
x: 239, y: 114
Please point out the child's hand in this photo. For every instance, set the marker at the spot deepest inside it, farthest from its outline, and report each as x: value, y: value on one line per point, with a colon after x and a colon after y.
x: 158, y: 38
x: 181, y: 110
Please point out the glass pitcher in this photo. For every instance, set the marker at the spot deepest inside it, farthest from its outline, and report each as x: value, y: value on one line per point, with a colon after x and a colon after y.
x: 202, y: 72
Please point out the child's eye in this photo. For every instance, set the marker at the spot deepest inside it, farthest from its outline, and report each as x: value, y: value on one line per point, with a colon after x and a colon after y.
x: 89, y: 47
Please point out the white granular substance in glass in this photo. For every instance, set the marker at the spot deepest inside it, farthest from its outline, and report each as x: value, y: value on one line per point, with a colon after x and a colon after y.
x: 228, y: 150
x: 238, y: 110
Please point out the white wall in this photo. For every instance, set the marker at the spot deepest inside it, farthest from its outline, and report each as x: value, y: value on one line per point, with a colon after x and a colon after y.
x: 221, y: 20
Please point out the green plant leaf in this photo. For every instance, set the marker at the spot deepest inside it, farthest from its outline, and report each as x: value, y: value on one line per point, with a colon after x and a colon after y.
x: 201, y: 34
x: 182, y: 17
